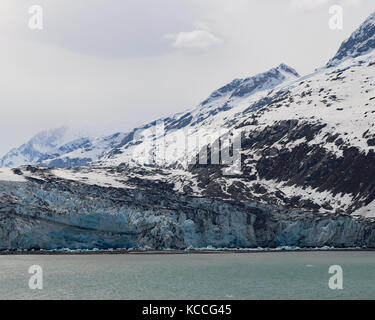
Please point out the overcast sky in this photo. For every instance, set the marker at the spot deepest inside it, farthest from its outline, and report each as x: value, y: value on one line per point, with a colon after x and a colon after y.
x: 118, y: 63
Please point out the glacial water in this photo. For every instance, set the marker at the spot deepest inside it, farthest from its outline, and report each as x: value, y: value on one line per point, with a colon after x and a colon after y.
x: 275, y: 275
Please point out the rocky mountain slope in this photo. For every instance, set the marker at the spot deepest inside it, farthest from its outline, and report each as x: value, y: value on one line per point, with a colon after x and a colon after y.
x: 339, y: 97
x: 311, y: 145
x: 306, y: 143
x: 162, y: 142
x: 61, y: 148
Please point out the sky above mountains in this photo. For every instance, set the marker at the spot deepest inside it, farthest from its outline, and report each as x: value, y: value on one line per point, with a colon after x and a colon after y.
x: 107, y: 65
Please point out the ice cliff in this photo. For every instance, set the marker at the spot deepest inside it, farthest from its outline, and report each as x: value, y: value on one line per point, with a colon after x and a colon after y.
x: 57, y: 213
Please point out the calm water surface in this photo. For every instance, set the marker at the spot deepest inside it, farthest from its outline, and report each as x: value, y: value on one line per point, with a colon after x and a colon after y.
x: 285, y: 275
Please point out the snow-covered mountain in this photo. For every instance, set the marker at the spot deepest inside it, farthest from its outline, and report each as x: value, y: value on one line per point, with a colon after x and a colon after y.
x: 307, y: 160
x: 61, y: 147
x: 159, y: 143
x: 84, y: 151
x: 306, y: 142
x: 362, y: 41
x: 311, y: 145
x: 41, y: 147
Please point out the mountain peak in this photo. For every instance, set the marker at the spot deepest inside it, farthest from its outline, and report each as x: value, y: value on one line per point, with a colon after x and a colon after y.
x: 39, y: 147
x: 359, y: 43
x: 260, y: 82
x: 285, y: 68
x: 60, y: 147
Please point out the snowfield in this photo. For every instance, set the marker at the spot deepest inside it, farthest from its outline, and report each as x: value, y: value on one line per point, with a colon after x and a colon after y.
x: 8, y: 175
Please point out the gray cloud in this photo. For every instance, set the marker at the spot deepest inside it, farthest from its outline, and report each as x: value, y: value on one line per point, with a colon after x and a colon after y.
x: 200, y: 38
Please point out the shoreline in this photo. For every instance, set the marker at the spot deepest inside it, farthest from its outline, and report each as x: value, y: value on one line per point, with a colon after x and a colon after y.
x: 180, y: 252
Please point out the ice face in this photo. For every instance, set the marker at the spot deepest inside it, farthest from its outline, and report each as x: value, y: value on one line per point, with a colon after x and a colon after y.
x: 64, y: 214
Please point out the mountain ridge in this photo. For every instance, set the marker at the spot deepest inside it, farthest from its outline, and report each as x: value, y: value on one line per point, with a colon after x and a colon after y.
x: 60, y: 147
x: 78, y: 154
x: 361, y: 41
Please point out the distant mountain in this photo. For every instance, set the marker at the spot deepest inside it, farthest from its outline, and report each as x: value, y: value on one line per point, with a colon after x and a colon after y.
x: 42, y: 146
x: 84, y: 151
x: 61, y: 147
x: 359, y: 43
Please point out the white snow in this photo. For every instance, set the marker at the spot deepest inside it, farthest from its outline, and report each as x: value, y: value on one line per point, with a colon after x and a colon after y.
x: 8, y: 175
x: 99, y: 178
x: 367, y: 211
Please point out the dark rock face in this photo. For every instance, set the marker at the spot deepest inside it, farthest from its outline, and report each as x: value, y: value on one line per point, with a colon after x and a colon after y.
x: 312, y: 165
x: 304, y: 165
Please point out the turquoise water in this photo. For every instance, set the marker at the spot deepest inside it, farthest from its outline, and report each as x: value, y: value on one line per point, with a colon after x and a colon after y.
x: 284, y: 275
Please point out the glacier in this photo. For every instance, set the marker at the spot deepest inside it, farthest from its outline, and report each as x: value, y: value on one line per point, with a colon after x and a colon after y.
x: 57, y: 213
